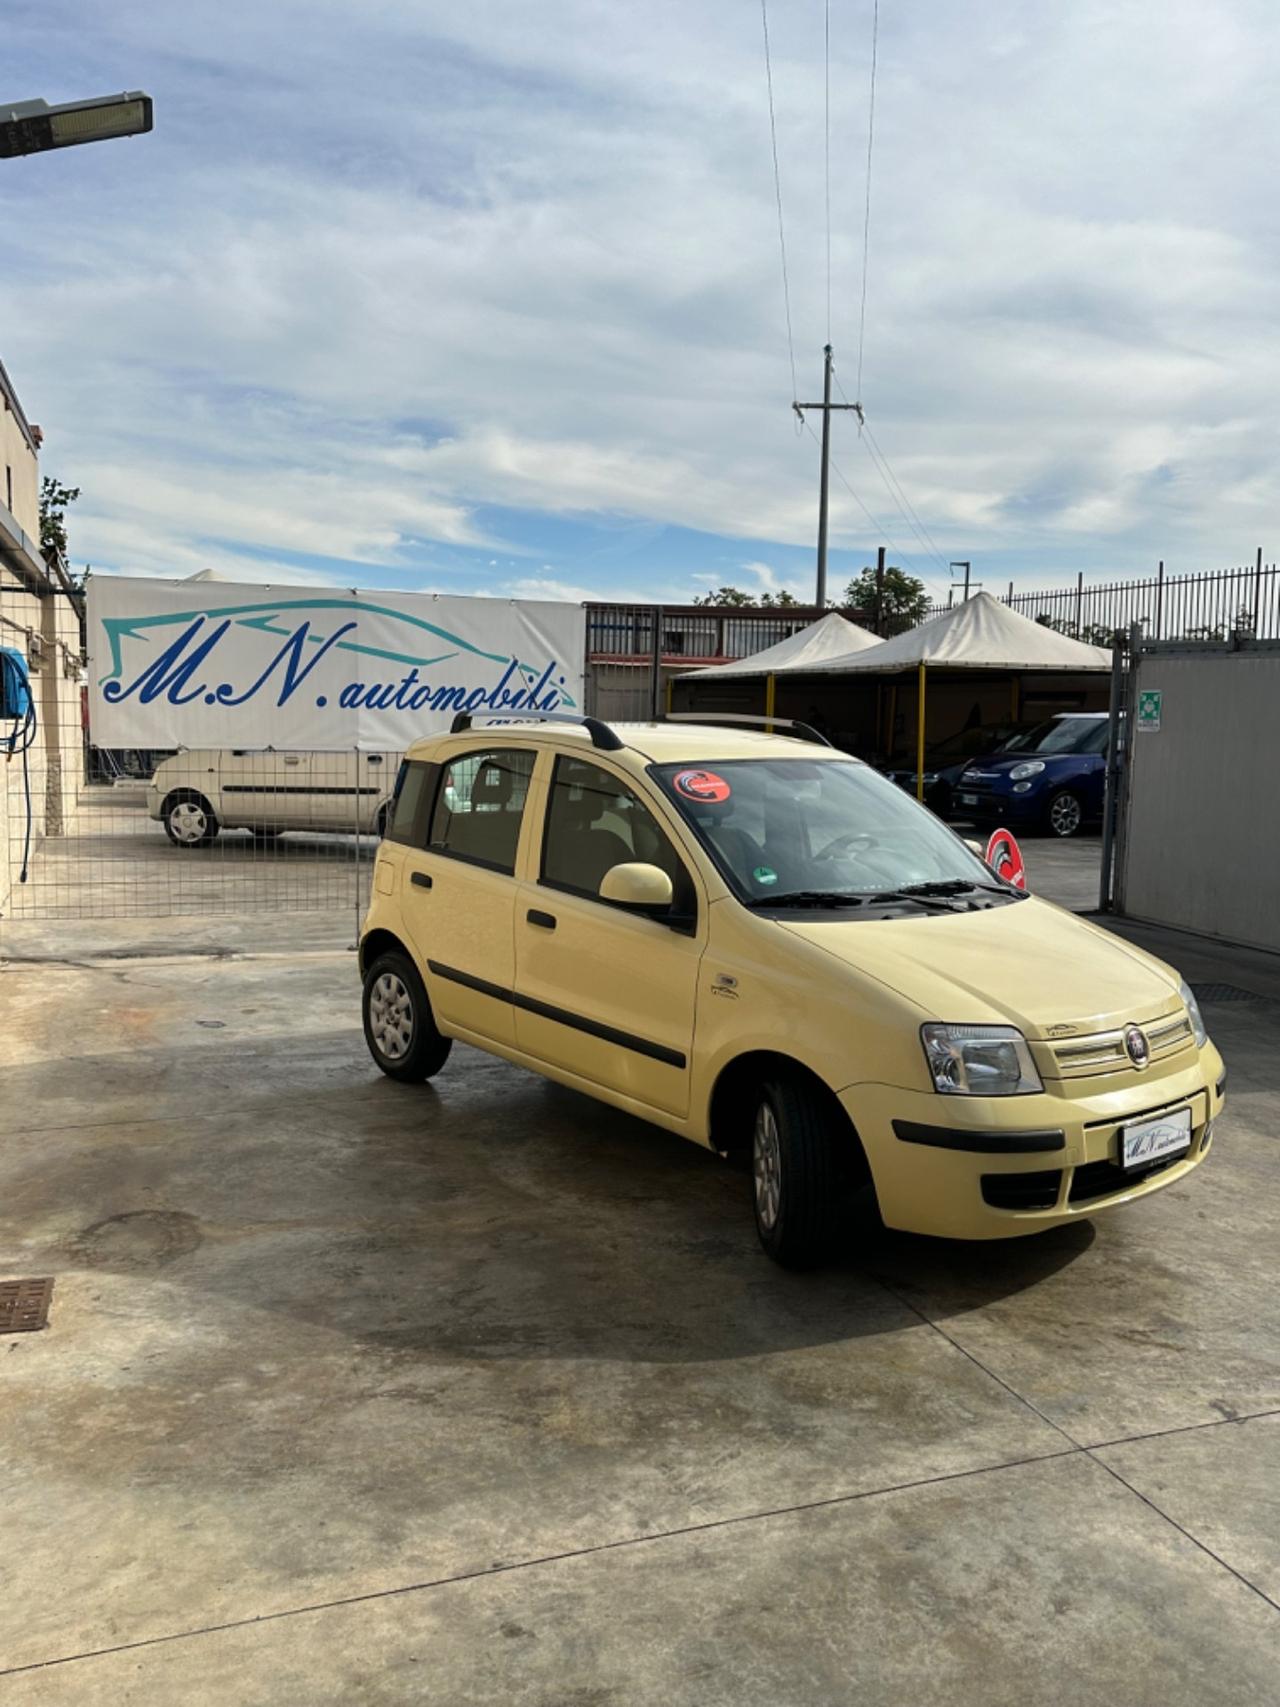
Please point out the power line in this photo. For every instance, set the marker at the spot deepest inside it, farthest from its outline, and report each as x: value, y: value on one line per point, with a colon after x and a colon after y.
x: 826, y: 59
x: 777, y: 188
x: 874, y: 445
x: 882, y: 532
x: 892, y: 485
x: 866, y: 216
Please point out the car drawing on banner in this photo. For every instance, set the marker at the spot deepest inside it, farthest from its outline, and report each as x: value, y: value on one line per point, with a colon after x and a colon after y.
x: 944, y: 761
x: 759, y: 943
x: 198, y: 793
x: 1052, y: 779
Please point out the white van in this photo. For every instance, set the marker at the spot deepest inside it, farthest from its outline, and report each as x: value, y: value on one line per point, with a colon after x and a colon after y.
x: 199, y: 792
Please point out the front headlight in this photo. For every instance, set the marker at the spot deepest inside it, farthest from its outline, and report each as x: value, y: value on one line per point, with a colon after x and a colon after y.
x: 1033, y: 767
x: 1194, y: 1014
x: 979, y: 1060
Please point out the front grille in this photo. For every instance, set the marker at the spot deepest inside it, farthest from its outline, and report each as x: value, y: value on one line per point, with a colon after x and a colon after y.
x: 1104, y: 1051
x: 1022, y: 1191
x: 1101, y: 1179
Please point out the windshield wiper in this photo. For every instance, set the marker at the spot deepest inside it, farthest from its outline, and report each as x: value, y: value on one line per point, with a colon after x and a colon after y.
x: 809, y: 898
x: 959, y: 886
x: 939, y: 895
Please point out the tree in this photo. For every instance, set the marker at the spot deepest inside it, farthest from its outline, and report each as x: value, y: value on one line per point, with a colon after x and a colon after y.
x: 54, y: 500
x: 906, y: 600
x: 1092, y: 633
x: 734, y: 596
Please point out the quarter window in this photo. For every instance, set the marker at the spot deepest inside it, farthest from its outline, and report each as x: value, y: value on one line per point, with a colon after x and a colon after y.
x: 407, y: 819
x: 595, y: 822
x: 479, y: 805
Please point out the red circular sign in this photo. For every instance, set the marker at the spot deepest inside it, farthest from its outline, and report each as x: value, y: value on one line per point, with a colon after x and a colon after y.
x: 703, y: 786
x: 1004, y: 857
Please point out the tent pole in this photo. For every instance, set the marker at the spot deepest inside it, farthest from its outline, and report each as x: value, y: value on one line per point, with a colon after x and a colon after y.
x: 770, y: 693
x: 920, y: 734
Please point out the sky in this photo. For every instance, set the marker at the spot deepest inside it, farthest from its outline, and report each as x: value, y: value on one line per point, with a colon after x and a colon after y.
x: 488, y: 298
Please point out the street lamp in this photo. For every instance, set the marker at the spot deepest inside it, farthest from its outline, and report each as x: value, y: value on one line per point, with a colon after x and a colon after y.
x: 32, y: 127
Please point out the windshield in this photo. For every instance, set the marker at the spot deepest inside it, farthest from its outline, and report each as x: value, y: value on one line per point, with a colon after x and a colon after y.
x: 780, y: 826
x: 1063, y: 735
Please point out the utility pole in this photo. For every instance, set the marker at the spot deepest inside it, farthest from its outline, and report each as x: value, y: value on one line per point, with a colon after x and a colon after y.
x: 826, y: 406
x: 880, y: 590
x: 957, y: 564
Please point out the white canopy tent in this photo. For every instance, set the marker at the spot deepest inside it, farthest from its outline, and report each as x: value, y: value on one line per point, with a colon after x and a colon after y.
x: 825, y: 643
x: 980, y: 634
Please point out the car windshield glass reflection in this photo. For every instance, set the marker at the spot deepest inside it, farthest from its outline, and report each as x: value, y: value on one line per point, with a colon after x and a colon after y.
x: 801, y: 827
x: 1063, y: 735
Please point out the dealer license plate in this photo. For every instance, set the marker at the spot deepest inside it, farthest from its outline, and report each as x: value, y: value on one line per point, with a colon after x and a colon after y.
x: 1148, y: 1140
x: 968, y: 800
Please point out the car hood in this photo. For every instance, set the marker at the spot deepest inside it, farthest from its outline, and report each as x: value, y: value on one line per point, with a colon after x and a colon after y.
x: 1026, y: 963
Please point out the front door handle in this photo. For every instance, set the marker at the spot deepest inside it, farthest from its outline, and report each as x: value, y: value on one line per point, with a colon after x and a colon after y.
x: 421, y: 879
x: 547, y: 921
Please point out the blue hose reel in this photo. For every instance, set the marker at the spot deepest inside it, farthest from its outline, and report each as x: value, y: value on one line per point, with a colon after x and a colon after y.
x: 18, y: 726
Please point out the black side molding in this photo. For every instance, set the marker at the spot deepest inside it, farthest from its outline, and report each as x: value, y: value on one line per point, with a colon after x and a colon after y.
x: 562, y: 1016
x: 979, y: 1143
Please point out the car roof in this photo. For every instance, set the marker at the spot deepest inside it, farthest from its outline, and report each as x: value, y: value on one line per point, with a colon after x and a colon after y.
x: 664, y: 742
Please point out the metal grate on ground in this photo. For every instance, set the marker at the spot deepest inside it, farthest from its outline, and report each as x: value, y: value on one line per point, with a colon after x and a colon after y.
x: 24, y: 1305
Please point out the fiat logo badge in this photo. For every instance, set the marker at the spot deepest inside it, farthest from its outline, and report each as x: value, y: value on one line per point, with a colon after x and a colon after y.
x: 1136, y: 1046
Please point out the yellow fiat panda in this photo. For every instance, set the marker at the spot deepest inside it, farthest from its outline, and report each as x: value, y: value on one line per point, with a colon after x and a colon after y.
x: 758, y: 942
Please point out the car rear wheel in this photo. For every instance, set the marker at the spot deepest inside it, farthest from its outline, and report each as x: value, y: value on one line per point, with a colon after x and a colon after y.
x: 398, y: 1023
x: 796, y: 1177
x: 189, y: 820
x: 1065, y: 814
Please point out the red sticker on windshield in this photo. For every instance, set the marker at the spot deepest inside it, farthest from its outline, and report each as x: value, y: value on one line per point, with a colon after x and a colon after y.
x: 703, y: 786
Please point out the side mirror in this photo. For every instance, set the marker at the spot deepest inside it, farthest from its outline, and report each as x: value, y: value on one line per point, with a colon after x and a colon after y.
x: 976, y: 847
x: 637, y: 885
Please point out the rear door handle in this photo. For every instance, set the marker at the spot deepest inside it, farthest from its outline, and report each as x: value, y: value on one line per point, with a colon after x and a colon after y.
x: 546, y: 920
x: 421, y: 879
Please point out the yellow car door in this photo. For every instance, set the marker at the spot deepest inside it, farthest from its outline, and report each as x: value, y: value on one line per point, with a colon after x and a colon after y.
x: 602, y: 991
x: 458, y: 892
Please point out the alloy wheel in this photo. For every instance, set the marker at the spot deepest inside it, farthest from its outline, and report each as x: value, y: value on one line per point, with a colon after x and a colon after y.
x: 1064, y: 815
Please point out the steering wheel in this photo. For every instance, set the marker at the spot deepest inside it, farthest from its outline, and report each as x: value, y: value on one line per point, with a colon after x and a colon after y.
x: 842, y: 844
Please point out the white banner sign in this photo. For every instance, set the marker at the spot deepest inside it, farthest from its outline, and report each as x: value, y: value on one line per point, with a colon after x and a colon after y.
x: 217, y: 664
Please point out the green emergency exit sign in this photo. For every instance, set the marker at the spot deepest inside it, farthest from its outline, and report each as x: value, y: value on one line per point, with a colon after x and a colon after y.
x: 1149, y: 704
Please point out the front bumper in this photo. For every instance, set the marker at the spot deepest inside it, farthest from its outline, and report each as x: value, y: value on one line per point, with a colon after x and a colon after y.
x: 988, y: 805
x: 1001, y: 1193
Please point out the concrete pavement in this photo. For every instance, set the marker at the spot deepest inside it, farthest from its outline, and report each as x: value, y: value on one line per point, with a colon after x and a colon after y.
x: 480, y: 1392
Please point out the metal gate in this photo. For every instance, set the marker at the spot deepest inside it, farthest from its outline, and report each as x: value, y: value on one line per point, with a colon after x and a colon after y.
x: 1199, y: 820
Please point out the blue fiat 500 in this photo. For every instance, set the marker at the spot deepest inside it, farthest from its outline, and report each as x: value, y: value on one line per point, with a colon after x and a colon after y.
x: 1052, y: 779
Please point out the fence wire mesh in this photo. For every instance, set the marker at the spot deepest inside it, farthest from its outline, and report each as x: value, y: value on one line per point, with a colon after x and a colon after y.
x: 92, y: 833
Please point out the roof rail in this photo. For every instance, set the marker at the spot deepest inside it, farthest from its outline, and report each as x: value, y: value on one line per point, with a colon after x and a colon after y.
x: 806, y: 731
x: 602, y: 736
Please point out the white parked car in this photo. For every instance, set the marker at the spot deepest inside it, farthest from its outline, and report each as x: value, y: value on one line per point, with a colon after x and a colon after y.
x: 197, y: 793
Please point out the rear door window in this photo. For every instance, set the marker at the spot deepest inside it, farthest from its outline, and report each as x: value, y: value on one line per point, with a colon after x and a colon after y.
x: 479, y: 805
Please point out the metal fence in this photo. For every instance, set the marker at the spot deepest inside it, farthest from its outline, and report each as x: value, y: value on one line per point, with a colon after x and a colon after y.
x: 1206, y: 605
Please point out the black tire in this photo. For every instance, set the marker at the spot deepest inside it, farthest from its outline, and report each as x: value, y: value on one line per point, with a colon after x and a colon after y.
x: 189, y: 820
x: 1064, y: 815
x: 797, y: 1217
x: 413, y: 1050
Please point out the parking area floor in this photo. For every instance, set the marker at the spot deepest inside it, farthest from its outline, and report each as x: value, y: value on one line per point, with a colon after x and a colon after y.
x: 482, y: 1392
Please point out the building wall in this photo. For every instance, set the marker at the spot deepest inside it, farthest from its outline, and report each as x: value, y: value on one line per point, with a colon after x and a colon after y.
x: 1202, y: 823
x: 19, y: 465
x: 48, y: 627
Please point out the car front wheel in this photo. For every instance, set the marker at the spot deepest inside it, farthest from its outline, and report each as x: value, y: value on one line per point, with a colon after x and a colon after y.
x: 189, y: 821
x: 795, y: 1172
x: 398, y: 1023
x: 1065, y: 813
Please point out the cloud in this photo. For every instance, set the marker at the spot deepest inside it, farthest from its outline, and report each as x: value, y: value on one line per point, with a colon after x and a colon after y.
x: 391, y: 281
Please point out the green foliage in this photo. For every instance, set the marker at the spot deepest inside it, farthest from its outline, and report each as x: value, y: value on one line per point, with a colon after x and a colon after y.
x: 906, y: 600
x: 54, y: 500
x: 734, y: 596
x: 1092, y: 633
